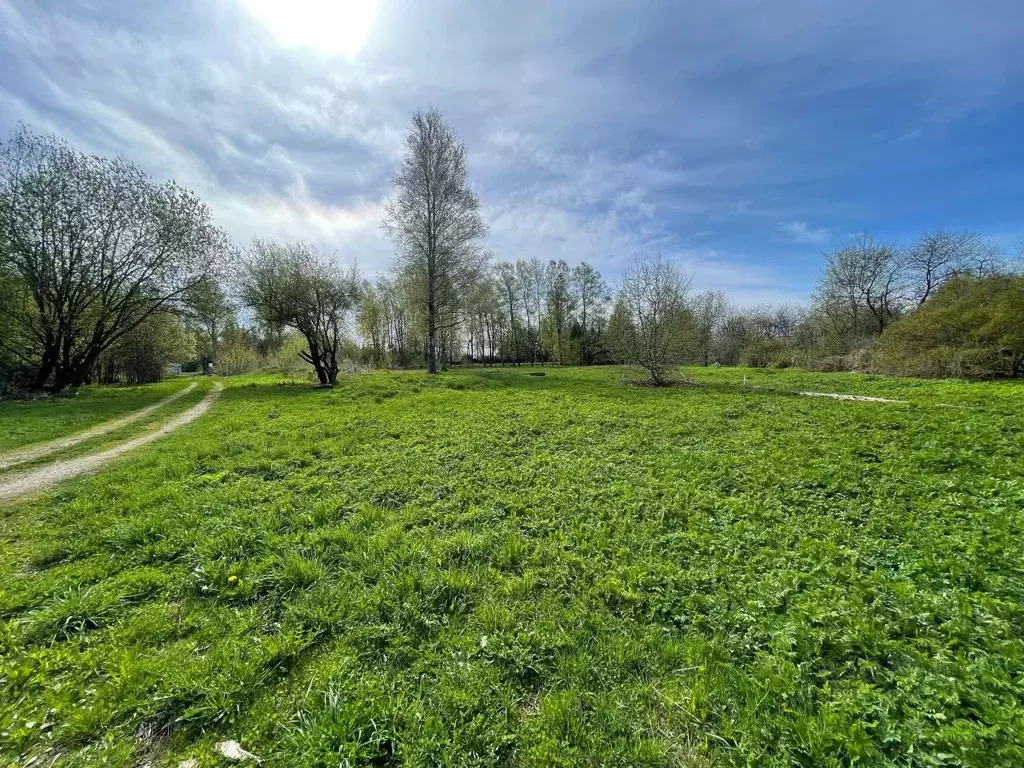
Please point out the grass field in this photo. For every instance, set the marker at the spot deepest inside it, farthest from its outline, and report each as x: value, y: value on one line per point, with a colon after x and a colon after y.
x: 23, y: 422
x: 487, y: 568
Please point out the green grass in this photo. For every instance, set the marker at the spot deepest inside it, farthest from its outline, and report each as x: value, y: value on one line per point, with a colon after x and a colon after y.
x: 110, y: 439
x: 485, y: 568
x: 24, y: 422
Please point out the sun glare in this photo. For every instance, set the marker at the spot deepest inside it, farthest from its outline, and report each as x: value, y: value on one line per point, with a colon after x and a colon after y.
x: 329, y: 26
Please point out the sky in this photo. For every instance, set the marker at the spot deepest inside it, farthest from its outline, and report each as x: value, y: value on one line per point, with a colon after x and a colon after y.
x: 741, y: 138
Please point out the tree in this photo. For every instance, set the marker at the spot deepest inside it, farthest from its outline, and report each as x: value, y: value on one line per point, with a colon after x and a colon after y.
x: 434, y: 222
x: 709, y: 311
x: 484, y: 310
x: 560, y: 304
x: 774, y: 321
x: 657, y: 330
x: 767, y: 352
x: 735, y: 333
x: 620, y: 331
x: 16, y: 370
x: 208, y: 309
x: 142, y: 354
x: 937, y: 257
x: 863, y: 288
x: 592, y: 295
x: 297, y: 286
x: 97, y: 247
x: 239, y: 351
x: 533, y: 286
x: 372, y: 322
x: 508, y: 283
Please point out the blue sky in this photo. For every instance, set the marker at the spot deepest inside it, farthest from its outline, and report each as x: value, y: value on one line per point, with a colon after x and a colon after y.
x: 741, y: 137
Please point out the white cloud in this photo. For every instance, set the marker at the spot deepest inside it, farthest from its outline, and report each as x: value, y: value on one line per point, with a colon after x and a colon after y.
x: 802, y: 232
x: 595, y: 130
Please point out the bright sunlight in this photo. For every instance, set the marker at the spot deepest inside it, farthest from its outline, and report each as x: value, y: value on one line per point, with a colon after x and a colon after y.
x: 329, y: 26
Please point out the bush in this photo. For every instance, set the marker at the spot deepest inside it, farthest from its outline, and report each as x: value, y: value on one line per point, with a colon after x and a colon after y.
x: 14, y: 378
x: 833, y: 364
x: 767, y: 353
x: 971, y: 328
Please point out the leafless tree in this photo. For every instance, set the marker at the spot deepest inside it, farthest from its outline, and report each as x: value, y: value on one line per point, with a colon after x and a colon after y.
x: 97, y: 247
x: 733, y: 336
x: 937, y: 257
x: 710, y: 309
x: 863, y: 288
x: 775, y: 321
x: 658, y: 330
x: 434, y: 222
x: 295, y: 285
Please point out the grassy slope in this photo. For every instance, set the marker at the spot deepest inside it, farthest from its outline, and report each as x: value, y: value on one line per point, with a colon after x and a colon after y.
x: 493, y: 569
x: 23, y: 422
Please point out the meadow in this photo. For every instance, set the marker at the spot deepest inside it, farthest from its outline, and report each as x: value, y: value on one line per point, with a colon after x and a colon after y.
x: 491, y: 568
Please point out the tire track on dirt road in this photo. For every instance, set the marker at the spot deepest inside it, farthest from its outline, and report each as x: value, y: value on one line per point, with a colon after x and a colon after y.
x: 21, y: 455
x: 33, y: 481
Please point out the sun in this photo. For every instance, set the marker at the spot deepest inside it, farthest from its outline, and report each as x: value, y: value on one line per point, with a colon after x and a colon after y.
x: 329, y: 26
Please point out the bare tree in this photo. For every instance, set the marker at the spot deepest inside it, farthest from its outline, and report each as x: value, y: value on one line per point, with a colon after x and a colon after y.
x: 937, y: 257
x: 297, y: 286
x: 734, y: 334
x: 709, y: 312
x: 658, y: 330
x: 435, y: 223
x: 863, y: 288
x: 774, y: 321
x: 98, y: 247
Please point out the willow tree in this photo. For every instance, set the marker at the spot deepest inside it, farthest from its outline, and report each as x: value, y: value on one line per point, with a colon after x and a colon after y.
x: 434, y: 221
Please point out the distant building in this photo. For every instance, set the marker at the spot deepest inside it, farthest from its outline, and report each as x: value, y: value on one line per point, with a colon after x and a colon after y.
x: 174, y: 369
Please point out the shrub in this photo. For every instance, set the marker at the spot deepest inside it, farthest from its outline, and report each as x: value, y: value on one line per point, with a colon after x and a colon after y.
x: 767, y: 353
x: 972, y: 328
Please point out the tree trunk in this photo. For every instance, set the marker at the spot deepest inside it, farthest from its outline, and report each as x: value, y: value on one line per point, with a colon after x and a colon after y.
x: 45, y: 368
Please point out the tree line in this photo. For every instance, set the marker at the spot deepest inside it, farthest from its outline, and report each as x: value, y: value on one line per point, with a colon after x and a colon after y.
x: 107, y: 275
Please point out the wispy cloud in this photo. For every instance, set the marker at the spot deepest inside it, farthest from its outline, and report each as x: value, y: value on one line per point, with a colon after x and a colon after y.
x: 594, y: 130
x: 802, y: 232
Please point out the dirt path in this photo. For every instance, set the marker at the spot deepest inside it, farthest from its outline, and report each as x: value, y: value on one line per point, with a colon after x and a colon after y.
x: 44, y: 477
x: 21, y: 455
